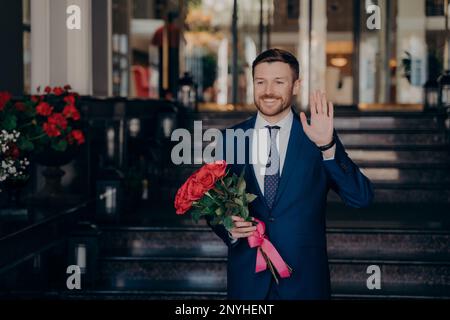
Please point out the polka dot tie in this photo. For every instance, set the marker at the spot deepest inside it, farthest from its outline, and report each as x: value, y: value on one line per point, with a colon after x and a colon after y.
x: 272, y: 174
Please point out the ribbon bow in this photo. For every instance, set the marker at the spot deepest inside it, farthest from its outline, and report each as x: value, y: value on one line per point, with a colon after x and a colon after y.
x: 267, y: 254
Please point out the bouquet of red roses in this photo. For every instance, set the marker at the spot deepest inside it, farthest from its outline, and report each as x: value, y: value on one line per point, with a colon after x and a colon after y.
x: 212, y: 191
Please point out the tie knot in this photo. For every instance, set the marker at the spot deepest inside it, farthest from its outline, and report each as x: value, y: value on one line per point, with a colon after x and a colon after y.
x: 274, y: 128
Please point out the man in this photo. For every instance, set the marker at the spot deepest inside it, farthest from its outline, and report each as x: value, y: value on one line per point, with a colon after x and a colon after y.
x: 309, y: 159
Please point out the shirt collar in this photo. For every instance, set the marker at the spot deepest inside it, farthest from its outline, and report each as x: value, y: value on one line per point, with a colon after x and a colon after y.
x: 283, y: 123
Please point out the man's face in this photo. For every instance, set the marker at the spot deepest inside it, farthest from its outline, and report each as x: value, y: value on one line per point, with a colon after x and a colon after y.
x: 274, y: 87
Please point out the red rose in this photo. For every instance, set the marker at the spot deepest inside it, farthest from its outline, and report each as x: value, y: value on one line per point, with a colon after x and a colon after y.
x: 47, y: 89
x: 51, y: 130
x: 44, y: 109
x: 58, y: 91
x: 182, y: 202
x: 67, y: 87
x: 71, y: 112
x: 205, y: 178
x: 70, y: 100
x: 218, y: 168
x: 195, y: 190
x: 20, y: 106
x: 35, y: 99
x: 59, y: 120
x: 4, y: 99
x: 78, y: 136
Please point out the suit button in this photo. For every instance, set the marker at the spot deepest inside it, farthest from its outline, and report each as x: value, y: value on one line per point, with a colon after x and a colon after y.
x: 271, y: 219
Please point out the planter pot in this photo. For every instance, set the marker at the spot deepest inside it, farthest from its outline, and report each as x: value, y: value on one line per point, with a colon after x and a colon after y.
x: 52, y: 193
x: 52, y: 158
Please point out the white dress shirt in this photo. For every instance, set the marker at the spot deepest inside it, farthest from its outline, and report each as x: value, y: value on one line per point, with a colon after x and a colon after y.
x: 260, y: 142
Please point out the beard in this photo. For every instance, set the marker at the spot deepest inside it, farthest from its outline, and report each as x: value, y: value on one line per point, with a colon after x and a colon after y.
x: 273, y: 108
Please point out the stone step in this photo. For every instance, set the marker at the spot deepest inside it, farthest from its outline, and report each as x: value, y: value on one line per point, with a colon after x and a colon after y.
x: 393, y: 193
x: 347, y: 277
x: 385, y: 191
x: 343, y: 243
x: 355, y: 138
x: 425, y: 216
x: 377, y: 171
x: 343, y: 120
x: 393, y: 138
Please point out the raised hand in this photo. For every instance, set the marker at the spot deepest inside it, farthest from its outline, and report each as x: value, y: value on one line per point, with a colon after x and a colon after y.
x: 320, y: 130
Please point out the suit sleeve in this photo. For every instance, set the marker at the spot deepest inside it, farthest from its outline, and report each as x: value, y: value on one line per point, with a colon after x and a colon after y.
x: 222, y: 233
x: 346, y: 179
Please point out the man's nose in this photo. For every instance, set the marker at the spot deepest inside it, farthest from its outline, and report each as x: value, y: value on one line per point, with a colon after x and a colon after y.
x: 268, y: 90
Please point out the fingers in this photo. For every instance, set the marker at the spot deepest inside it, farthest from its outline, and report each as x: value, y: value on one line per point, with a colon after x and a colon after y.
x: 319, y: 104
x: 242, y: 228
x: 324, y: 103
x: 313, y: 104
x: 330, y: 110
x: 304, y: 121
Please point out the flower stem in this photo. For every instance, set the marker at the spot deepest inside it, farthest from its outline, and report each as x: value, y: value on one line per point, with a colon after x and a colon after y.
x: 37, y: 137
x: 26, y: 125
x: 269, y: 263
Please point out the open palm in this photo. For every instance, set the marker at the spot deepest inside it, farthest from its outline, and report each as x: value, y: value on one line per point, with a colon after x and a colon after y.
x: 320, y: 129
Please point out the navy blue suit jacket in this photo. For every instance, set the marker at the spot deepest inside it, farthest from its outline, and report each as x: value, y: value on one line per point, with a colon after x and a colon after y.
x: 297, y: 226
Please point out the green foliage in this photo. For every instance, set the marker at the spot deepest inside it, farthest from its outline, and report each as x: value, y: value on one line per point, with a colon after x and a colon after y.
x: 9, y: 123
x: 227, y: 198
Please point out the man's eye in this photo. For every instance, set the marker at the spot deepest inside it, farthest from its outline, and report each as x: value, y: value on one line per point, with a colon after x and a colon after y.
x: 259, y: 82
x: 280, y: 82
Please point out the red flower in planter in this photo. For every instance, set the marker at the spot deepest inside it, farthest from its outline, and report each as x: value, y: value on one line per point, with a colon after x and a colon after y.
x: 58, y: 91
x: 70, y: 99
x: 20, y: 106
x: 44, y: 109
x: 51, y: 130
x: 78, y: 136
x: 4, y: 99
x: 71, y: 112
x: 59, y: 120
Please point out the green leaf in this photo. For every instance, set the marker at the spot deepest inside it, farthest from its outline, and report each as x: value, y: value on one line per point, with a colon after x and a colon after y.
x: 24, y: 144
x: 250, y: 197
x: 60, y: 145
x: 219, y: 211
x: 228, y: 223
x: 238, y: 201
x: 196, y: 214
x: 228, y: 181
x: 241, y: 185
x: 206, y: 201
x: 10, y: 122
x: 244, y: 212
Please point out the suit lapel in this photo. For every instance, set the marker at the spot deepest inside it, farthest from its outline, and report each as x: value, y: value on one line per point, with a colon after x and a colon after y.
x: 296, y: 139
x: 250, y: 177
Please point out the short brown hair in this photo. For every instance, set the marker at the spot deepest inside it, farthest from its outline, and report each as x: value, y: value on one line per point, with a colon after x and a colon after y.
x: 273, y: 55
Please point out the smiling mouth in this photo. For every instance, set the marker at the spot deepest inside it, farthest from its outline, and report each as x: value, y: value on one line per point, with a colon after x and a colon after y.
x: 269, y: 100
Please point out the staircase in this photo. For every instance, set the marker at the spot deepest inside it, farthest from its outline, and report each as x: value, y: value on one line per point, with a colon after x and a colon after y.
x: 154, y: 254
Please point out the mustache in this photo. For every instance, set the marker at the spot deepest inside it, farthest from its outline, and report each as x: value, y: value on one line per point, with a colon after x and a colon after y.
x: 269, y: 97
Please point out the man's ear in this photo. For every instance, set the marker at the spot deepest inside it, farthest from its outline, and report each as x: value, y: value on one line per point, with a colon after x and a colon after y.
x: 296, y: 87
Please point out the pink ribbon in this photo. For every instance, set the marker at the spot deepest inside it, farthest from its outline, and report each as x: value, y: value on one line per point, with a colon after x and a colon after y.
x: 259, y: 240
